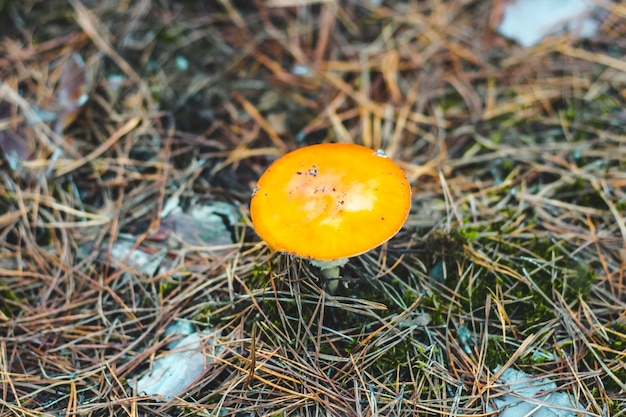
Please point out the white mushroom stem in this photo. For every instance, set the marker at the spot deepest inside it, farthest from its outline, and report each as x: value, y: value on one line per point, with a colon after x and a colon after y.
x: 330, y: 269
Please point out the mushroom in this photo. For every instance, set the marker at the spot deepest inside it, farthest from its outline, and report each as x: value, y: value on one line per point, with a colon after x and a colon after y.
x: 329, y: 202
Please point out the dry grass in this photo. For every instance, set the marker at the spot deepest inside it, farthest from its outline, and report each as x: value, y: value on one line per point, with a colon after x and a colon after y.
x: 514, y: 252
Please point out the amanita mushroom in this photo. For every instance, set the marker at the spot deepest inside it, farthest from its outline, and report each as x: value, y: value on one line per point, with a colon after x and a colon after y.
x: 329, y: 202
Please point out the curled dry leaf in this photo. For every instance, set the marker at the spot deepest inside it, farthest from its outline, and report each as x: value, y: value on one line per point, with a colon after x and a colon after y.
x: 14, y: 147
x: 206, y: 225
x: 528, y: 22
x: 180, y: 367
x: 527, y: 395
x: 71, y: 92
x: 123, y: 254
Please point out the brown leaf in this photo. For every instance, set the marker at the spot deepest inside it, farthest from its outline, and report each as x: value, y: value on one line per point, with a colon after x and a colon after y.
x: 71, y: 92
x: 14, y: 145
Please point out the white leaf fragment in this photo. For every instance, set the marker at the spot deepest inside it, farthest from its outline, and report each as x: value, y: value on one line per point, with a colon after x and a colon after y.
x: 528, y: 22
x: 178, y: 328
x: 146, y: 263
x: 204, y: 226
x: 528, y: 396
x: 173, y: 373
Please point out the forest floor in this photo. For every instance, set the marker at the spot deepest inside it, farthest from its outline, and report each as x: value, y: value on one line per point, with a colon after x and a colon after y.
x: 132, y: 135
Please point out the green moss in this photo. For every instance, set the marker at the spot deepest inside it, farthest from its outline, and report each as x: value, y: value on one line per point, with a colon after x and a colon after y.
x: 577, y: 282
x: 172, y: 33
x: 610, y: 384
x: 395, y: 359
x: 8, y: 294
x: 436, y: 310
x: 450, y: 243
x: 8, y: 301
x: 581, y: 192
x: 496, y: 138
x: 616, y: 332
x: 545, y: 265
x: 616, y: 406
x: 571, y: 112
x: 166, y: 286
x: 534, y: 312
x: 408, y: 297
x: 497, y: 353
x: 443, y: 250
x: 260, y: 276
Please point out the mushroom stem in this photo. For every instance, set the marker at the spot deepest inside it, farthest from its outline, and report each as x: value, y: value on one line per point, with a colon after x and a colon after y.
x: 330, y: 270
x: 331, y: 273
x: 334, y: 264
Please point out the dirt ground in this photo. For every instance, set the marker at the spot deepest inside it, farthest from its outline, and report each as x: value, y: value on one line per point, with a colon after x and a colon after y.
x: 132, y: 134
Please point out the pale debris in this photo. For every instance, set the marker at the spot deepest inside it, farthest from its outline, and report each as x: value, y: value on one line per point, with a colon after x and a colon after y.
x: 177, y: 330
x: 528, y: 22
x: 206, y: 225
x: 123, y: 253
x: 530, y: 396
x: 174, y: 373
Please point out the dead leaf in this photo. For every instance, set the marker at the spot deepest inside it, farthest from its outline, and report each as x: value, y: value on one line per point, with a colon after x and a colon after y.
x: 174, y: 372
x: 528, y: 22
x: 71, y: 92
x: 15, y: 147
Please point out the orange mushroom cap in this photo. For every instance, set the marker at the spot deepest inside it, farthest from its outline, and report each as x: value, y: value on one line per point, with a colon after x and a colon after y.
x: 330, y: 201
